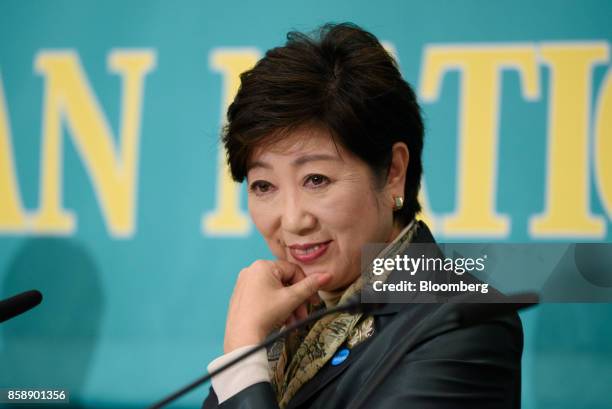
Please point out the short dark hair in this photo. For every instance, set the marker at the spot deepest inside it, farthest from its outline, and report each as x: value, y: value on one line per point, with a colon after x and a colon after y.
x: 340, y: 78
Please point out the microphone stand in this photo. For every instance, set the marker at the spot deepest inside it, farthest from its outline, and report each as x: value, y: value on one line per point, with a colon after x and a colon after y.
x: 351, y: 306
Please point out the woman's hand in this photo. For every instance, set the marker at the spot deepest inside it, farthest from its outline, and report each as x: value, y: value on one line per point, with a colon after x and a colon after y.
x: 268, y: 294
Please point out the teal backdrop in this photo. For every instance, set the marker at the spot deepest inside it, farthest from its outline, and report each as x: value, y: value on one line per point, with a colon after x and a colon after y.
x: 114, y: 204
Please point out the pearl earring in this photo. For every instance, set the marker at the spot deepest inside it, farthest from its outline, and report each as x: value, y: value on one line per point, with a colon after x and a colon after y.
x: 398, y: 202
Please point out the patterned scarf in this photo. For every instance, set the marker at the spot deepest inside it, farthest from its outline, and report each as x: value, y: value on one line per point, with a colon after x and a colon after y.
x: 298, y: 358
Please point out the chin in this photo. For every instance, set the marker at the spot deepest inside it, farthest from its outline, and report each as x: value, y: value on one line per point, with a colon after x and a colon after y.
x: 310, y: 270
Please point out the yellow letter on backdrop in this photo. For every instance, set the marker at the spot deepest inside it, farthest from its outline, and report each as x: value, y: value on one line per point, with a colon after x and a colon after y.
x: 603, y: 143
x: 12, y: 216
x: 480, y: 90
x: 227, y: 218
x: 112, y: 167
x: 567, y: 211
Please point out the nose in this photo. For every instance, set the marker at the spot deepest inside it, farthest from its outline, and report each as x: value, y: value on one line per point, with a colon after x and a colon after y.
x: 297, y: 218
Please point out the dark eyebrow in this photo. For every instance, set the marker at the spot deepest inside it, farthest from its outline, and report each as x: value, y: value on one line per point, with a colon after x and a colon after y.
x: 297, y: 162
x: 314, y: 157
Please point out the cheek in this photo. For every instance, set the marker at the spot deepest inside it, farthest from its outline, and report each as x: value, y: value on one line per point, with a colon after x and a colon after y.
x: 352, y: 224
x: 354, y: 218
x: 262, y: 218
x: 354, y: 212
x: 266, y: 223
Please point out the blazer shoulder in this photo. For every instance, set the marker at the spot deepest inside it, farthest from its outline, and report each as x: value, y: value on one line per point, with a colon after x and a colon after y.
x: 498, y: 340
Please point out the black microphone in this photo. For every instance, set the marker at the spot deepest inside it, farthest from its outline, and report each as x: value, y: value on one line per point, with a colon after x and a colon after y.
x: 459, y: 312
x: 353, y: 305
x: 18, y: 304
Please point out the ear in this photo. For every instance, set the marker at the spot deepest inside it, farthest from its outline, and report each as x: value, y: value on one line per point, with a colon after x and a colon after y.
x: 396, y: 177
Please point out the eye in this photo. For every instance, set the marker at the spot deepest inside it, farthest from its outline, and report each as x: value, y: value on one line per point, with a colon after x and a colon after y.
x: 260, y: 187
x: 316, y: 180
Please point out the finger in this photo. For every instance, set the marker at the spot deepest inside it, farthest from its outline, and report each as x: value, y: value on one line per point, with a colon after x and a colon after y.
x: 301, y: 312
x: 315, y: 299
x: 304, y: 289
x: 288, y: 273
x: 268, y: 268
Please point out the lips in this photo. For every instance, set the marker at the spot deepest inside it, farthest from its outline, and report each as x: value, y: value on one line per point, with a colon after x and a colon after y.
x: 309, y: 252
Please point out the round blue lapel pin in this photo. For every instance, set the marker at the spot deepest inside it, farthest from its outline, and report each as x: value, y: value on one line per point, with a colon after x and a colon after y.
x: 340, y: 356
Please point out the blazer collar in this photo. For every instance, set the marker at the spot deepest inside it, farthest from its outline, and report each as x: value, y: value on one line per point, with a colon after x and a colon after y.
x: 423, y: 235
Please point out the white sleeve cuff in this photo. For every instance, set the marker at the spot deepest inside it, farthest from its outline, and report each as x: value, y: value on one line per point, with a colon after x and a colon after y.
x: 251, y: 370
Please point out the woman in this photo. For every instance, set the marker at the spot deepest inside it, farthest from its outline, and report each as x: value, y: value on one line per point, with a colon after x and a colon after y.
x: 329, y: 138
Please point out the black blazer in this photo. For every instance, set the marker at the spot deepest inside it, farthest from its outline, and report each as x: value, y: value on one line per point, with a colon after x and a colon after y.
x: 471, y: 367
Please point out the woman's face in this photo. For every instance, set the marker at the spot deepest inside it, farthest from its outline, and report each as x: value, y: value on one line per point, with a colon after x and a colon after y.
x: 316, y: 204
